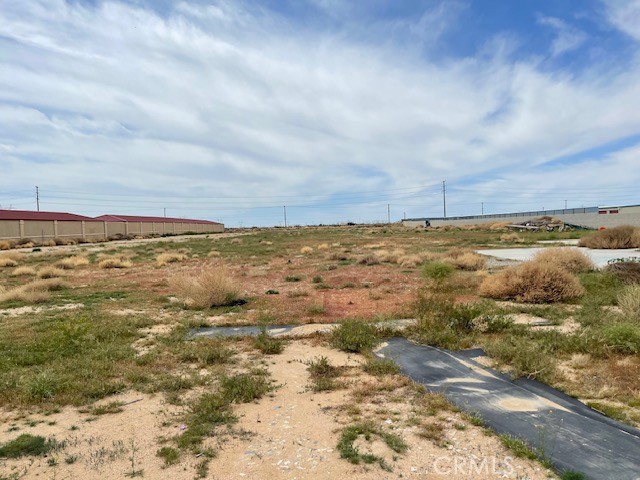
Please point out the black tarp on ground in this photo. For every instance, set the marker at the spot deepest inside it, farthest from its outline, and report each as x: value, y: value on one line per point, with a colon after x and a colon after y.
x: 571, y: 435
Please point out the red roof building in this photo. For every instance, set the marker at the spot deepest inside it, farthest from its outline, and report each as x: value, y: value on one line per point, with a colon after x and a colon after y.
x: 29, y: 215
x: 135, y: 218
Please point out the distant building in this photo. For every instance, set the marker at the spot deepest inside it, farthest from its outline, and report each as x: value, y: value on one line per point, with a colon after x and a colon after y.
x: 40, y: 226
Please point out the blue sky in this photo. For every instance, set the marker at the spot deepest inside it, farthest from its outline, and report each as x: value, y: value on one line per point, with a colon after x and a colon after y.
x: 229, y: 110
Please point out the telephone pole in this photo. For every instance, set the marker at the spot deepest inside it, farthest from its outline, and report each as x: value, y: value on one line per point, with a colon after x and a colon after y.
x: 482, y: 203
x: 388, y: 213
x: 444, y: 198
x: 165, y: 212
x: 285, y: 215
x: 38, y: 198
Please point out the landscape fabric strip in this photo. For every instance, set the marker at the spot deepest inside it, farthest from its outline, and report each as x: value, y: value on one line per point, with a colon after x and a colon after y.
x: 561, y: 429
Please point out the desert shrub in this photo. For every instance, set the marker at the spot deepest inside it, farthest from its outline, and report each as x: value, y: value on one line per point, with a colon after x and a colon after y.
x: 267, y: 344
x: 213, y: 254
x: 26, y: 444
x: 34, y: 292
x: 532, y: 282
x: 627, y: 270
x: 170, y: 455
x: 349, y: 450
x: 468, y: 261
x: 354, y: 336
x: 340, y: 256
x: 50, y: 272
x: 210, y: 287
x: 381, y: 366
x: 622, y: 337
x: 526, y: 357
x: 437, y: 272
x: 206, y: 351
x: 442, y: 323
x: 306, y: 250
x: 115, y: 262
x: 23, y: 271
x: 571, y: 259
x: 172, y: 257
x: 389, y: 257
x: 70, y: 263
x: 410, y: 261
x: 624, y: 236
x: 629, y: 301
x: 25, y: 243
x: 369, y: 260
x: 510, y: 237
x: 7, y: 262
x: 323, y: 246
x: 5, y: 245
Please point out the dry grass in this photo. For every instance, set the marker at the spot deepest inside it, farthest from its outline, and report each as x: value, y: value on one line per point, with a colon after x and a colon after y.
x: 7, y: 262
x: 468, y: 261
x: 306, y: 250
x: 323, y: 246
x: 167, y: 258
x: 23, y: 271
x: 51, y: 272
x: 571, y: 259
x: 211, y: 287
x: 532, y: 282
x: 624, y: 236
x: 115, y: 262
x: 410, y: 261
x: 510, y: 237
x: 389, y: 257
x: 628, y: 272
x: 498, y: 226
x: 629, y: 301
x: 213, y: 254
x: 5, y: 245
x: 34, y: 292
x: 70, y: 263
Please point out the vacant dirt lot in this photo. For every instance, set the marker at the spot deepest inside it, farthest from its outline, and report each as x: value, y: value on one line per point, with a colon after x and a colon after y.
x: 98, y: 380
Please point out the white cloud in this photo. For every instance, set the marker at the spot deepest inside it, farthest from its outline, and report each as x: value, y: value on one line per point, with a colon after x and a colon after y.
x: 568, y: 38
x: 217, y: 100
x: 625, y: 15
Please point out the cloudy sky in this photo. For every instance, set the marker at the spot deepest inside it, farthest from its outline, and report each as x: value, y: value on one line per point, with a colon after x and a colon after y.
x: 229, y: 110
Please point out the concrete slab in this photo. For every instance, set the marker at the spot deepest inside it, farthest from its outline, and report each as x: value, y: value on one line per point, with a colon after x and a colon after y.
x: 599, y: 257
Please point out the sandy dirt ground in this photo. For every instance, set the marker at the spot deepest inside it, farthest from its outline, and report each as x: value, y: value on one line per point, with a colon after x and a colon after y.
x: 289, y: 434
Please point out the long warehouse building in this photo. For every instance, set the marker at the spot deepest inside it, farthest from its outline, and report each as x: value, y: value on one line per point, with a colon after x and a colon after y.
x: 40, y: 226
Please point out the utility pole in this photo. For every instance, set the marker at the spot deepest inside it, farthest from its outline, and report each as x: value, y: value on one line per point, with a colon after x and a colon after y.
x: 482, y: 203
x: 565, y: 204
x: 285, y: 215
x: 38, y: 198
x: 388, y: 213
x: 165, y: 212
x: 444, y: 198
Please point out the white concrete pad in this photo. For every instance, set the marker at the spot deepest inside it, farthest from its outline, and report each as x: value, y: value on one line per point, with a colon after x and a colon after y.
x: 599, y: 257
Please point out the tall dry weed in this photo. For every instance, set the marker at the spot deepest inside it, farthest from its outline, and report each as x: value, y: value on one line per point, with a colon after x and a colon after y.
x: 532, y: 282
x: 211, y: 287
x: 569, y: 258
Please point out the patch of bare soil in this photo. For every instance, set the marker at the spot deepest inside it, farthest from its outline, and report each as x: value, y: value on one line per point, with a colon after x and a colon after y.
x: 28, y: 309
x: 290, y: 434
x: 296, y: 431
x: 99, y: 447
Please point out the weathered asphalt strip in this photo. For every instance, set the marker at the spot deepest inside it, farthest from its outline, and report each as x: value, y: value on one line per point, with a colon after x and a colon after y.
x: 568, y: 433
